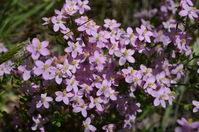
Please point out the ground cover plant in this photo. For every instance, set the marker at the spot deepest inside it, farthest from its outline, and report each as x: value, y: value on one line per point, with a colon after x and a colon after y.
x: 80, y: 67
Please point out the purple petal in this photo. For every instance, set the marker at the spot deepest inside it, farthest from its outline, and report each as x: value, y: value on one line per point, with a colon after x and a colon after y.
x: 46, y: 104
x: 122, y: 61
x: 56, y: 27
x: 44, y: 51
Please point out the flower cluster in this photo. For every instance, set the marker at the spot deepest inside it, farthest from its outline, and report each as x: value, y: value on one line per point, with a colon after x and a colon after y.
x: 103, y: 67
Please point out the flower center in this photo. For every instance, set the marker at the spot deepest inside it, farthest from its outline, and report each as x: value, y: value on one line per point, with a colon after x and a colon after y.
x: 131, y: 35
x: 126, y: 53
x: 66, y: 67
x: 86, y: 125
x: 97, y: 60
x: 64, y: 93
x: 39, y: 46
x: 96, y: 100
x: 43, y: 99
x: 83, y: 105
x: 105, y: 87
x: 46, y: 66
x: 73, y: 82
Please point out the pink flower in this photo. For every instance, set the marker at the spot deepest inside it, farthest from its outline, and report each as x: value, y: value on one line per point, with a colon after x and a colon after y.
x: 96, y: 102
x: 5, y: 68
x: 196, y: 104
x: 161, y: 96
x: 46, y: 20
x: 99, y: 59
x: 87, y: 125
x: 39, y: 121
x: 103, y: 87
x: 131, y: 37
x: 26, y: 74
x: 83, y: 6
x: 74, y: 48
x: 71, y: 7
x: 144, y: 34
x: 80, y: 107
x: 58, y: 23
x: 125, y: 54
x: 111, y: 24
x: 110, y: 93
x: 150, y: 82
x: 109, y: 128
x: 68, y: 34
x: 187, y: 125
x: 37, y: 48
x: 63, y: 96
x: 44, y: 101
x: 99, y: 38
x: 179, y: 71
x: 189, y: 11
x: 72, y: 84
x: 161, y: 78
x: 44, y: 69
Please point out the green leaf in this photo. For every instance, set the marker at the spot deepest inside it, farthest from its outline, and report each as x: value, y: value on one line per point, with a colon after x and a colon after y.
x: 12, y: 52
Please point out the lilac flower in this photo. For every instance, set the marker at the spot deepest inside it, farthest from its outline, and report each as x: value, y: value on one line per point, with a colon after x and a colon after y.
x: 80, y: 107
x: 99, y: 59
x: 99, y: 38
x: 96, y: 102
x: 63, y: 96
x: 74, y: 48
x: 72, y: 84
x: 68, y: 34
x: 114, y: 47
x: 58, y: 23
x: 103, y: 87
x: 77, y: 98
x: 145, y: 70
x: 44, y: 69
x: 87, y: 125
x: 37, y: 48
x: 86, y: 88
x: 131, y: 37
x: 137, y: 78
x: 198, y: 69
x: 47, y: 20
x: 110, y: 93
x: 111, y: 24
x: 189, y: 11
x: 89, y: 26
x: 5, y: 68
x: 81, y: 20
x: 179, y: 71
x: 150, y: 82
x: 130, y: 121
x: 44, y: 101
x: 39, y: 121
x: 58, y: 74
x: 144, y: 34
x: 109, y: 128
x: 66, y: 68
x: 187, y: 125
x: 161, y: 77
x: 161, y: 96
x: 26, y: 73
x: 71, y: 7
x: 125, y: 54
x: 83, y: 6
x: 196, y: 104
